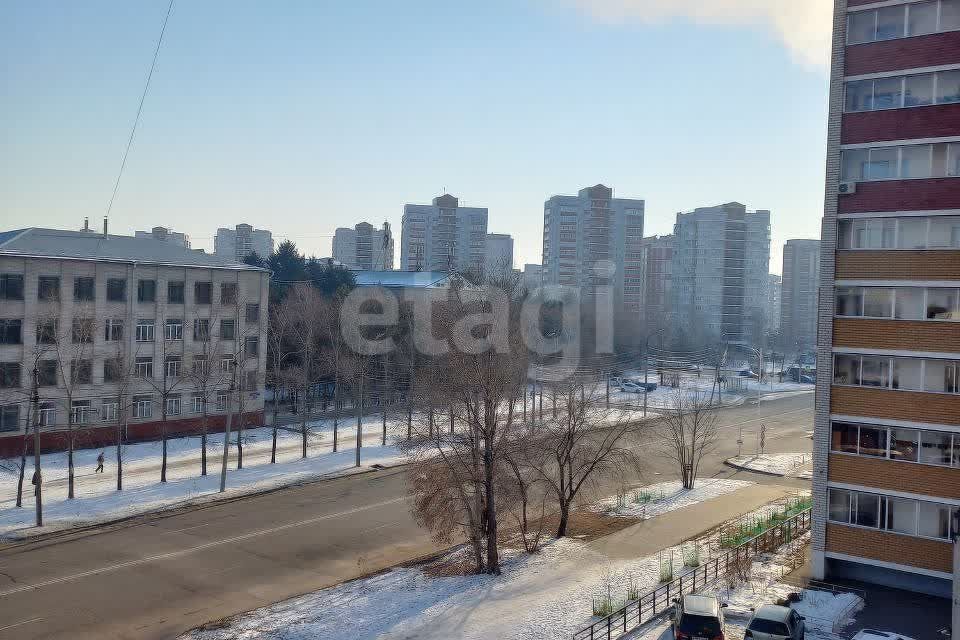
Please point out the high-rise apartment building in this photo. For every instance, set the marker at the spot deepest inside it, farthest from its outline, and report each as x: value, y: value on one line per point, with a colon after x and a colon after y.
x: 443, y: 236
x: 721, y: 270
x: 166, y: 234
x: 657, y: 282
x: 364, y: 247
x: 774, y: 294
x: 798, y: 298
x: 595, y: 241
x: 241, y: 241
x: 532, y: 276
x: 887, y: 437
x: 499, y: 253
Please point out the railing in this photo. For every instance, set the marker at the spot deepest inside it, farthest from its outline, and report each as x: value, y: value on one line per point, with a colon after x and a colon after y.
x: 656, y: 602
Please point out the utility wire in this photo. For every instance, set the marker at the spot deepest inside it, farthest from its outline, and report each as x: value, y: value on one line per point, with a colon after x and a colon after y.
x: 143, y: 97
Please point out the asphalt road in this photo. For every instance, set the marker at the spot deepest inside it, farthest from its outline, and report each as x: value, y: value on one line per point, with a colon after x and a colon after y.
x: 157, y: 576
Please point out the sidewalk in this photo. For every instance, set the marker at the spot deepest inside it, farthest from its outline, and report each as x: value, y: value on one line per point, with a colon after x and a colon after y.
x: 648, y: 537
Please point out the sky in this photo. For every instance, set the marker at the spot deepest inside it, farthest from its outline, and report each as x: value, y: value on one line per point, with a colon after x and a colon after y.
x: 304, y: 116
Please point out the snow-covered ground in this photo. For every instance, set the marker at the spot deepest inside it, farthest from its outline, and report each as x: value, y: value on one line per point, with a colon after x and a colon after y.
x: 783, y: 464
x: 544, y: 596
x: 737, y: 391
x: 657, y: 499
x: 98, y: 500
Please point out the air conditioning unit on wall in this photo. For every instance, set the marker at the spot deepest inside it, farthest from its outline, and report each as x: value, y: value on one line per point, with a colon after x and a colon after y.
x: 847, y: 188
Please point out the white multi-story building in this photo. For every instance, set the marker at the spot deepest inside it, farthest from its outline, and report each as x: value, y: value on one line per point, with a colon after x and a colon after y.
x: 532, y: 276
x: 239, y: 242
x: 443, y: 236
x: 595, y: 241
x: 798, y: 315
x: 165, y: 234
x: 774, y: 296
x: 364, y: 247
x: 124, y: 331
x: 721, y: 269
x: 499, y: 253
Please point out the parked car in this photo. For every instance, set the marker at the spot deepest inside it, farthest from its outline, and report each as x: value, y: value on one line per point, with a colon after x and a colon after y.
x: 616, y: 380
x: 631, y: 387
x: 873, y: 634
x: 773, y: 622
x: 698, y: 618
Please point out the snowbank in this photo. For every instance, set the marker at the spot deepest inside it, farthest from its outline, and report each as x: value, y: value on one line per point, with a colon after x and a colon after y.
x: 657, y: 499
x: 781, y: 464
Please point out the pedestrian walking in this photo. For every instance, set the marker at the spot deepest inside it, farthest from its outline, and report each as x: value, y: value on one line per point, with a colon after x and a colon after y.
x: 99, y: 468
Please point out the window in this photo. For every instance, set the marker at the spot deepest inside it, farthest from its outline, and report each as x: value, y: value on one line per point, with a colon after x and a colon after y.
x: 81, y: 371
x: 943, y: 304
x: 922, y: 18
x: 916, y: 161
x: 228, y: 293
x: 227, y: 329
x: 253, y: 313
x: 84, y: 289
x: 903, y: 444
x: 112, y: 368
x: 227, y: 363
x: 201, y: 329
x: 221, y: 401
x: 859, y: 96
x: 48, y: 414
x: 901, y: 516
x: 898, y: 162
x: 201, y: 366
x: 866, y: 511
x: 940, y: 376
x: 142, y: 406
x: 82, y: 330
x: 173, y: 406
x: 844, y: 438
x: 949, y: 14
x: 948, y: 87
x: 934, y: 520
x: 198, y: 403
x: 48, y: 288
x: 891, y: 23
x: 11, y: 286
x: 912, y: 233
x: 250, y: 381
x: 109, y: 409
x: 202, y: 293
x: 839, y: 505
x: 887, y: 93
x: 173, y: 330
x: 882, y: 163
x: 47, y: 373
x: 172, y: 366
x: 175, y: 292
x: 877, y: 302
x: 116, y: 290
x: 901, y: 21
x: 146, y: 291
x: 113, y: 329
x: 945, y: 232
x: 146, y: 330
x: 10, y: 375
x: 10, y: 417
x: 908, y: 374
x: 935, y: 448
x: 909, y: 303
x: 918, y: 90
x: 846, y: 369
x: 873, y: 442
x: 875, y: 371
x: 81, y: 411
x: 144, y: 367
x: 251, y: 346
x: 11, y: 331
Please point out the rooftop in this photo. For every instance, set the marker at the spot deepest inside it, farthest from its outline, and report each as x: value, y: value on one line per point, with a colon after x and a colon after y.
x: 402, y: 279
x: 88, y: 245
x: 773, y: 612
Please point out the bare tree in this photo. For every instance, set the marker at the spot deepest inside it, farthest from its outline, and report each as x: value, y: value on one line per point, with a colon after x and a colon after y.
x: 207, y: 373
x: 306, y: 309
x: 687, y: 432
x: 279, y: 352
x: 120, y: 371
x: 171, y: 380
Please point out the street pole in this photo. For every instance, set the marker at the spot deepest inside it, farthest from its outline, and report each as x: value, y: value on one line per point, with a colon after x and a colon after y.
x: 226, y: 431
x: 37, y: 477
x: 360, y: 418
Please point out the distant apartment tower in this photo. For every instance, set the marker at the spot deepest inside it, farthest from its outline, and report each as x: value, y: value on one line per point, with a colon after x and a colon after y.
x: 238, y: 243
x: 886, y: 472
x: 594, y: 241
x: 443, y: 236
x: 364, y: 247
x: 721, y: 269
x: 774, y: 296
x: 798, y: 301
x: 532, y: 276
x: 166, y: 235
x: 499, y: 253
x: 658, y: 282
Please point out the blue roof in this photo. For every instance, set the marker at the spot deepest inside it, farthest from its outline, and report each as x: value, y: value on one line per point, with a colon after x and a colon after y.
x: 402, y: 279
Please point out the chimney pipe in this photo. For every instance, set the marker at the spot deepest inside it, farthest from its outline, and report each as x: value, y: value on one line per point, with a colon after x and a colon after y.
x: 104, y: 226
x: 86, y: 223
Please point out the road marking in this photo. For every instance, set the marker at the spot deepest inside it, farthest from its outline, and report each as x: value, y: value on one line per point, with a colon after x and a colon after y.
x: 20, y: 624
x: 184, y: 552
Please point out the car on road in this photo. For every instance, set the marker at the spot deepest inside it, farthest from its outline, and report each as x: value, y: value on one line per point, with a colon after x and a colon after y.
x: 637, y: 387
x: 773, y: 622
x: 873, y: 634
x: 697, y: 617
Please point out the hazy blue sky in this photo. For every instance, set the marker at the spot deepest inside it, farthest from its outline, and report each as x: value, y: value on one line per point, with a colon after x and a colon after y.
x: 301, y: 117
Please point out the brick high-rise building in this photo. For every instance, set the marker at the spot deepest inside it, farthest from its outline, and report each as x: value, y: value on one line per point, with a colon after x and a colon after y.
x: 887, y: 437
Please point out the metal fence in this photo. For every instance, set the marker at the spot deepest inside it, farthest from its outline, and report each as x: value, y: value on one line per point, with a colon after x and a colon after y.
x: 655, y: 602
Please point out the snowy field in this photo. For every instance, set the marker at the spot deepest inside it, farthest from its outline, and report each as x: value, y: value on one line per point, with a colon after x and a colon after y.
x: 657, y: 499
x: 782, y: 464
x: 664, y: 396
x: 98, y: 500
x: 544, y: 596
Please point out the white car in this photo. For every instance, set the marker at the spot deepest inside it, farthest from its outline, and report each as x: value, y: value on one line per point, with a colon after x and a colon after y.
x: 773, y: 622
x: 873, y: 634
x: 630, y: 387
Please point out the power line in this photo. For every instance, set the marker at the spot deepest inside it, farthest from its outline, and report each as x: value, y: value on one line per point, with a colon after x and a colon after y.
x: 143, y: 97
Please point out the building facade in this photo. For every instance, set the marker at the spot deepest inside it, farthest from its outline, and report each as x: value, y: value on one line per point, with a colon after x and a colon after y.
x: 594, y: 241
x: 532, y: 276
x: 774, y: 294
x: 499, y: 254
x: 237, y: 243
x: 124, y: 332
x: 798, y: 299
x: 657, y: 282
x: 166, y: 234
x: 721, y: 271
x: 364, y: 247
x: 443, y: 236
x: 887, y: 436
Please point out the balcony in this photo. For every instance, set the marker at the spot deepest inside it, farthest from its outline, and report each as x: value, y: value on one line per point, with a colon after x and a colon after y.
x: 901, y: 124
x: 903, y: 195
x: 912, y: 406
x: 904, y: 53
x: 931, y: 264
x: 891, y: 475
x: 915, y: 335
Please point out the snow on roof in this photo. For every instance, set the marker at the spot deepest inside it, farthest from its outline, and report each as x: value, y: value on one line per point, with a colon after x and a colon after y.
x: 88, y: 245
x: 773, y: 612
x: 700, y: 605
